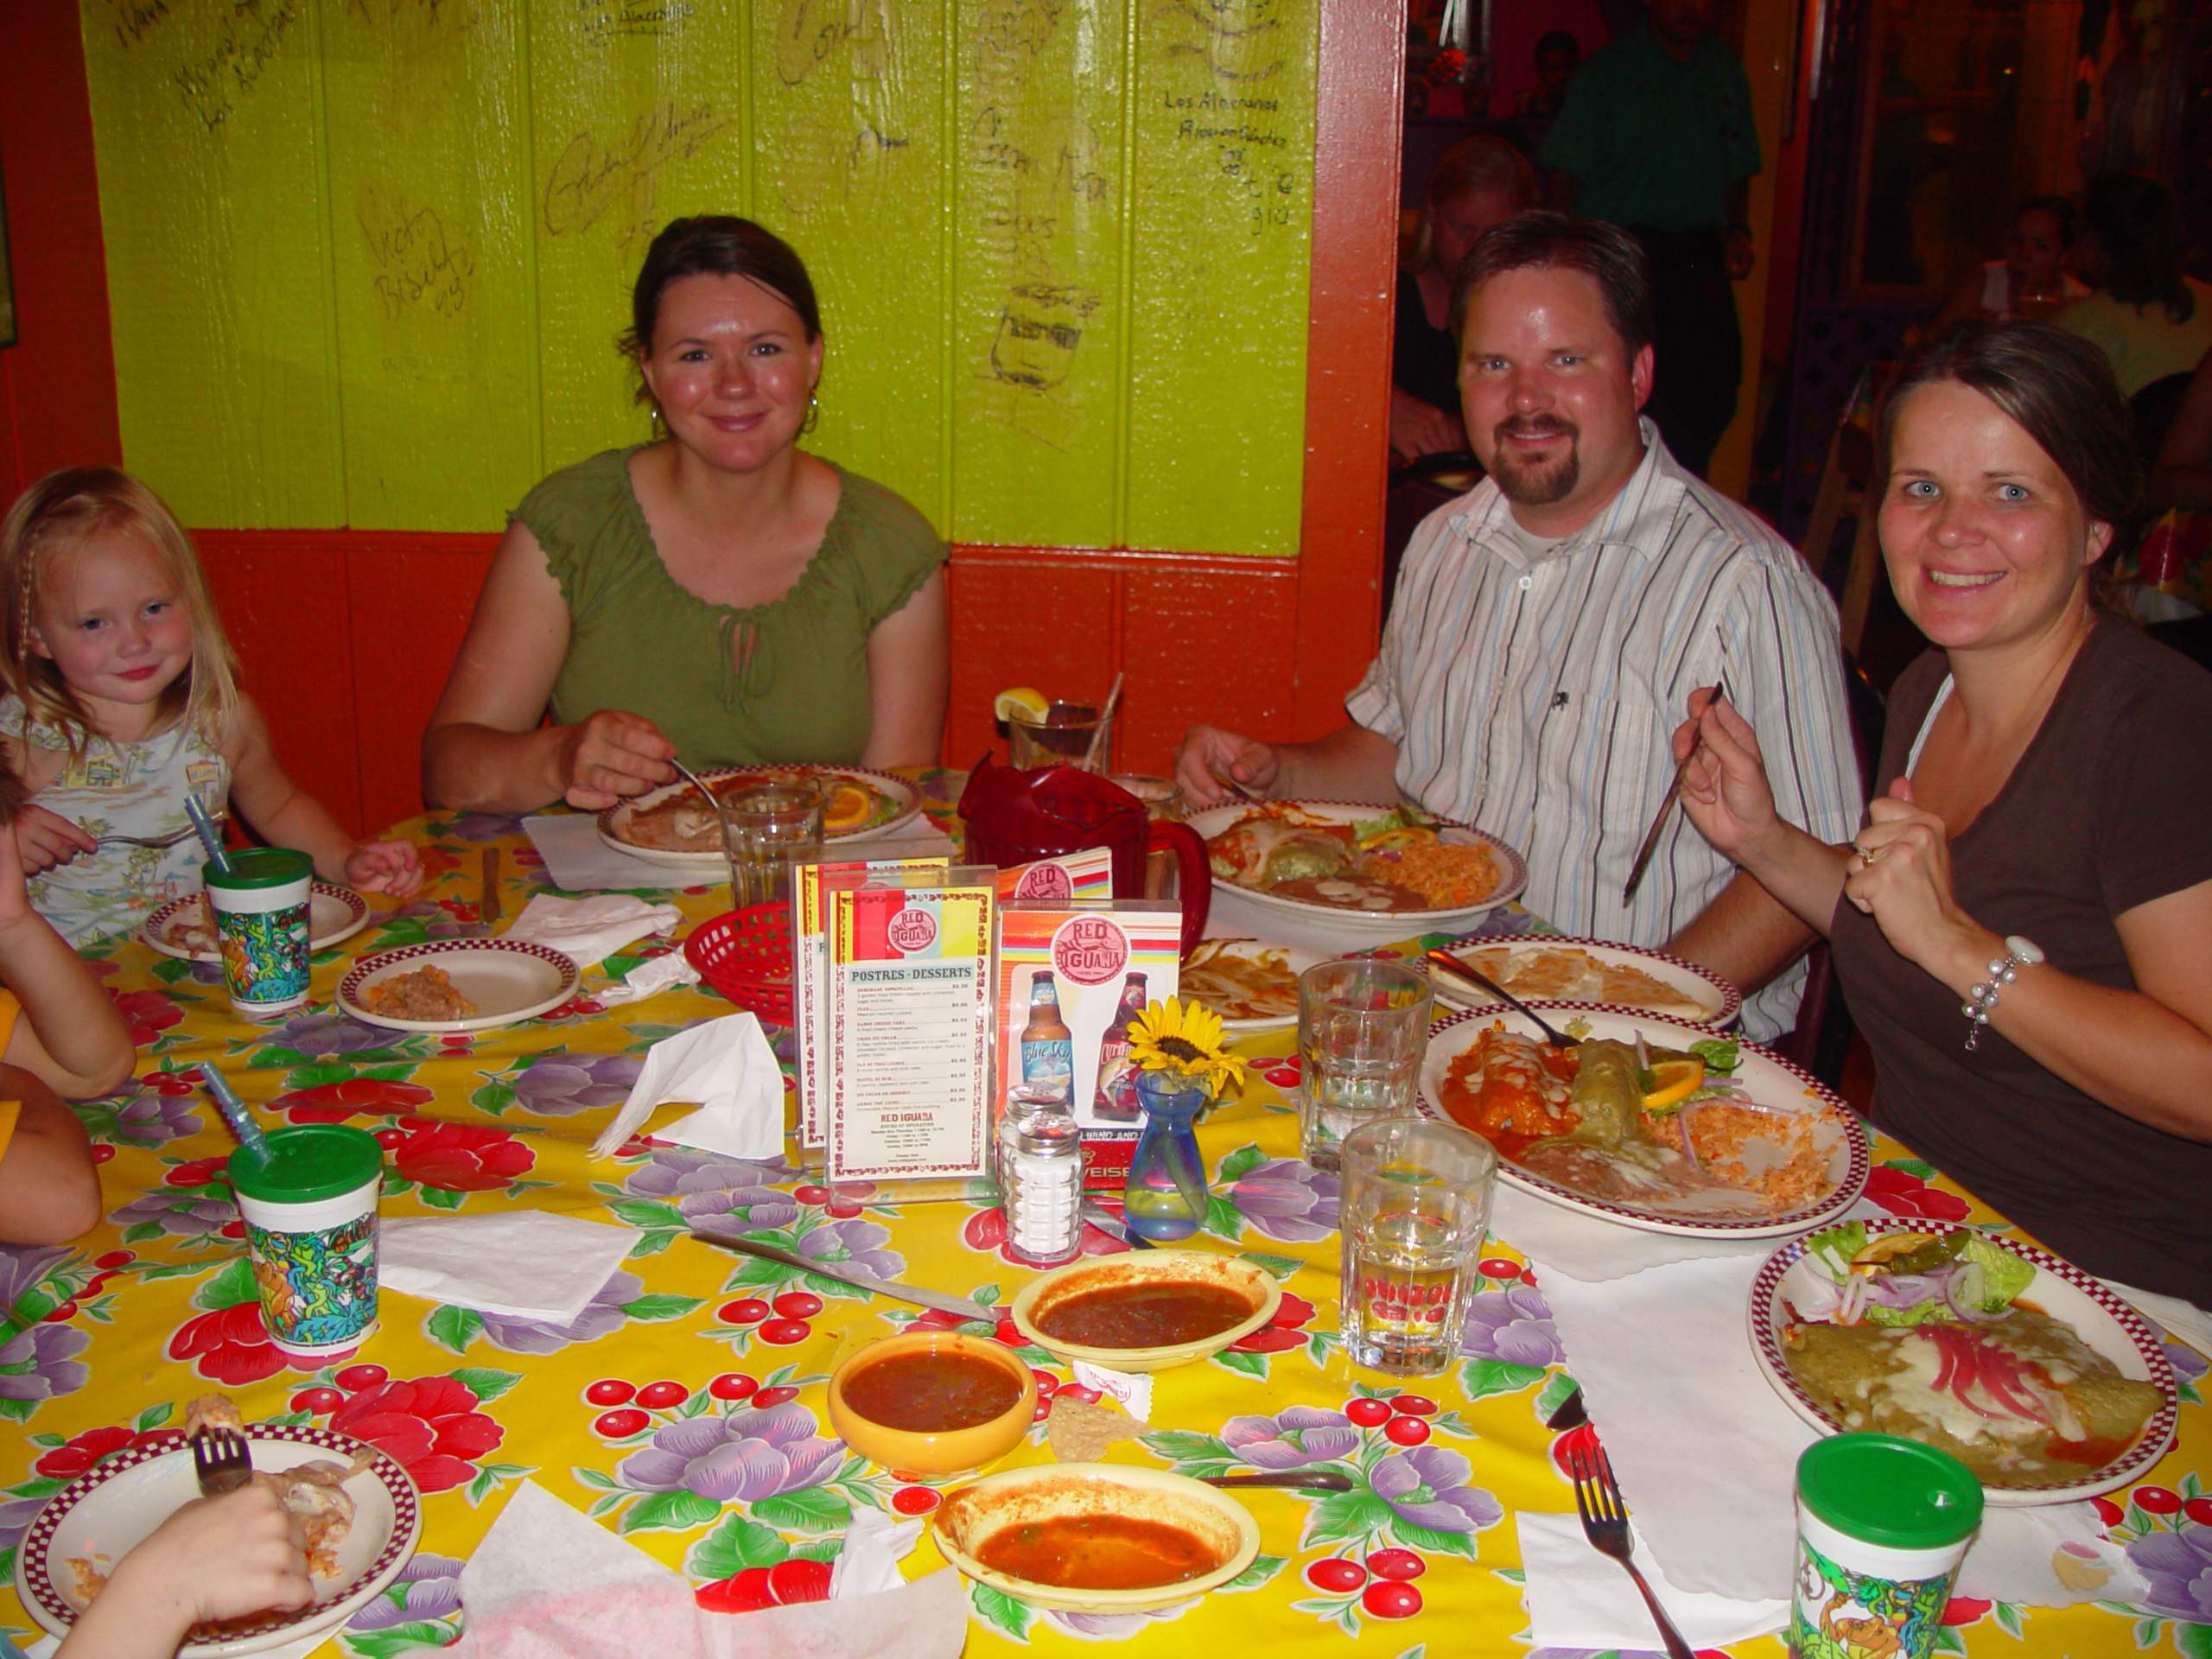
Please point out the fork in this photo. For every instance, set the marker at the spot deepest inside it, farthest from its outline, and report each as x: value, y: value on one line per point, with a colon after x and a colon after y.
x: 1604, y: 1522
x: 221, y: 1459
x: 185, y: 834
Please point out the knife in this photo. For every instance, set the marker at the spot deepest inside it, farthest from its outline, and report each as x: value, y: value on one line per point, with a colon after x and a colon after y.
x: 1673, y: 794
x: 959, y: 1306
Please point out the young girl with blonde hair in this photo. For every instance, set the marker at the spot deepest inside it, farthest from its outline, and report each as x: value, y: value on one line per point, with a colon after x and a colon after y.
x: 122, y: 701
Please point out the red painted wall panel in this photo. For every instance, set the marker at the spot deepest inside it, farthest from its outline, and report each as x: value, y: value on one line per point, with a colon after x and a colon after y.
x: 409, y: 600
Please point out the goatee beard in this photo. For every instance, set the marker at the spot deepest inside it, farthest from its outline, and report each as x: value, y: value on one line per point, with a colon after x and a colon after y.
x: 1536, y: 484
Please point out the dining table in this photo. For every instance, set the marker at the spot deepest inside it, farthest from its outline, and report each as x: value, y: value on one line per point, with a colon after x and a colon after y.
x: 684, y: 1407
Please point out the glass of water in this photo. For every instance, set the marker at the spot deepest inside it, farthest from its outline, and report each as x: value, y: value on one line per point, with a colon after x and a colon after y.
x: 1414, y: 1209
x: 1362, y: 1028
x: 766, y: 828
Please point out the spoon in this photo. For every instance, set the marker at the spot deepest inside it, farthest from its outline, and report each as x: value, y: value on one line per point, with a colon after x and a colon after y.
x: 1308, y: 1480
x: 692, y: 778
x: 1556, y: 1038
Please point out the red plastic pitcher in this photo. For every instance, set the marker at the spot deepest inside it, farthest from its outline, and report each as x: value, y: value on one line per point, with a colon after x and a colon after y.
x: 1014, y: 817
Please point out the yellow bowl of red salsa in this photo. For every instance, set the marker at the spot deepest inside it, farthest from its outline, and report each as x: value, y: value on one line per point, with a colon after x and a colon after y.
x: 1147, y: 1311
x: 929, y: 1402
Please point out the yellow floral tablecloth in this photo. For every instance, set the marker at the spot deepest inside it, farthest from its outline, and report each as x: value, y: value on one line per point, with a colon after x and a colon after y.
x: 684, y: 1407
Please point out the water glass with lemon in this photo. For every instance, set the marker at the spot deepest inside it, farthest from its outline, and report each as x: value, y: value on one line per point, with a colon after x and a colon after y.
x: 1043, y: 733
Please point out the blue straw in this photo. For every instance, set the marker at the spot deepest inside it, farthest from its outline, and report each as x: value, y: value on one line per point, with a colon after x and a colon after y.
x: 234, y: 1111
x: 208, y: 838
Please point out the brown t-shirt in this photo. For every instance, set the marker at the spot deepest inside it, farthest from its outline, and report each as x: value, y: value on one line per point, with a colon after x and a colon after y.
x: 2109, y: 807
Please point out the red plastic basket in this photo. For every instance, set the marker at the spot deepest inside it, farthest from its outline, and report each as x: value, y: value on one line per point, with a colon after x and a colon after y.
x: 746, y: 955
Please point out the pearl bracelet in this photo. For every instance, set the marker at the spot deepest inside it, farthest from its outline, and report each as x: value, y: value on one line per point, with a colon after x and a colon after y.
x: 2003, y: 971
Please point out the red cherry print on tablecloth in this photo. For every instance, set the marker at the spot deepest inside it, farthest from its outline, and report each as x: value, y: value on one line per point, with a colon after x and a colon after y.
x: 1044, y: 1410
x: 2199, y: 1510
x: 1336, y: 1575
x: 317, y: 1399
x: 916, y: 1500
x: 812, y: 1194
x: 1396, y: 1563
x: 798, y: 1304
x: 355, y: 1378
x: 1046, y: 1382
x: 1413, y: 1405
x: 746, y: 1592
x: 782, y: 1333
x: 620, y: 1424
x: 659, y: 1397
x: 1080, y: 1391
x: 985, y: 1230
x: 775, y: 1396
x: 734, y: 1385
x: 841, y: 1208
x: 747, y: 1310
x: 611, y: 1391
x: 233, y: 1229
x: 2109, y: 1512
x: 1500, y: 1267
x: 389, y: 1139
x: 1386, y: 1599
x: 2157, y: 1500
x: 1963, y: 1610
x: 1368, y: 1414
x: 102, y: 1152
x: 1583, y: 1437
x: 798, y: 1579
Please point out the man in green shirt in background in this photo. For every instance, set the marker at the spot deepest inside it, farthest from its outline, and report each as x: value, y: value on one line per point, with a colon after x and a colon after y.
x: 1657, y: 136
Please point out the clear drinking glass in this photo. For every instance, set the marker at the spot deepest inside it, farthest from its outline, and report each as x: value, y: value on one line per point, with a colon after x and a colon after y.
x: 1415, y: 1208
x: 1078, y: 734
x: 768, y: 828
x: 1363, y: 1027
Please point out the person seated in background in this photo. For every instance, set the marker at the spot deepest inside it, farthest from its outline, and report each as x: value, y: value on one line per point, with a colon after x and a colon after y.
x: 2031, y: 280
x: 719, y: 595
x: 2148, y: 319
x: 1558, y: 55
x: 1478, y: 183
x: 1547, y: 623
x: 2024, y: 925
x: 2183, y: 474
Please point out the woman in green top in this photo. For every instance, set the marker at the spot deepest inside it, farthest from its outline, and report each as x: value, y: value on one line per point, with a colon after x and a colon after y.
x: 719, y: 596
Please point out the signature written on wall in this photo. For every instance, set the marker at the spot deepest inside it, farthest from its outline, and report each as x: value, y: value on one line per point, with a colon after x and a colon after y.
x: 133, y: 19
x: 593, y: 175
x: 416, y: 260
x: 596, y: 21
x: 245, y: 44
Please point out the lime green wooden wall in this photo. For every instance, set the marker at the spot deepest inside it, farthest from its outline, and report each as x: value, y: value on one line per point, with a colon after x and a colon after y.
x: 367, y: 258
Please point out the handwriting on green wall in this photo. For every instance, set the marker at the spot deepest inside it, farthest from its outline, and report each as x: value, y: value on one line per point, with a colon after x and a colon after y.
x: 368, y: 258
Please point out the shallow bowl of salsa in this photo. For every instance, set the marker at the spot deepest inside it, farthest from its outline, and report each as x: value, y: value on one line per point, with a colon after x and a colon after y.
x: 1148, y: 1311
x: 1096, y: 1538
x: 932, y: 1401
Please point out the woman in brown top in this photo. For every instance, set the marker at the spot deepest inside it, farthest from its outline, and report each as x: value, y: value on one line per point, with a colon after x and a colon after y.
x: 2024, y: 927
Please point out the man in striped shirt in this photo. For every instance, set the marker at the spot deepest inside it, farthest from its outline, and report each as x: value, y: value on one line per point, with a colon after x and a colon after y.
x: 1555, y: 625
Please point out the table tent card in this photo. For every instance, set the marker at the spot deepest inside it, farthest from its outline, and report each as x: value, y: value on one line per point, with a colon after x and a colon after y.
x: 1085, y: 877
x: 911, y: 1008
x: 810, y: 886
x: 1071, y: 976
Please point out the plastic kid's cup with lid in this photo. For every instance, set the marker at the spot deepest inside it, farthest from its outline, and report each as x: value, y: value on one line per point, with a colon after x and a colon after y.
x: 310, y: 1210
x: 1882, y: 1525
x: 260, y: 911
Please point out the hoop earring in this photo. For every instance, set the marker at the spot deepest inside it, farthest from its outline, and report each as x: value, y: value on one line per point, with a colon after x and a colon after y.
x: 813, y: 416
x: 659, y: 422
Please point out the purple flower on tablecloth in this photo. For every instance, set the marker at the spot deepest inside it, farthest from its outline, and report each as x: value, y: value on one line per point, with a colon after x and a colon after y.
x: 1291, y: 1438
x: 1116, y: 1627
x: 703, y: 1186
x: 2190, y: 1366
x: 143, y: 1118
x: 23, y: 1267
x: 16, y: 1520
x: 560, y: 1085
x: 2178, y: 1567
x: 857, y: 1243
x: 428, y: 1586
x: 205, y: 973
x: 41, y: 1363
x: 741, y: 1458
x: 183, y: 1213
x: 1428, y: 1485
x: 479, y: 827
x: 1288, y: 1200
x: 319, y: 1035
x: 602, y: 1316
x: 1514, y: 1325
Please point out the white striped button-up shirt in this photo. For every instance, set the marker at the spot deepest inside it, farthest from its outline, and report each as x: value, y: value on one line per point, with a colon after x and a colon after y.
x: 1535, y: 698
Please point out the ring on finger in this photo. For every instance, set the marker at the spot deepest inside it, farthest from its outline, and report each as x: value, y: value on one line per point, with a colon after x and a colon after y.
x: 1866, y: 855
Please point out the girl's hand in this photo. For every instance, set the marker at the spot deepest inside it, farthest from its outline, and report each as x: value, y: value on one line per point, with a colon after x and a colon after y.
x: 613, y: 755
x: 218, y: 1558
x: 392, y: 867
x: 1724, y: 789
x: 44, y: 839
x: 1906, y: 885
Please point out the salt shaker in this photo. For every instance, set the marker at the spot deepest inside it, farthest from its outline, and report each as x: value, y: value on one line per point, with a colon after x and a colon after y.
x: 1040, y: 1180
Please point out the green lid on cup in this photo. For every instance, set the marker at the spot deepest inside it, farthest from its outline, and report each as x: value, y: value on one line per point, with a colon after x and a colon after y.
x: 1895, y: 1493
x: 308, y: 1164
x: 260, y: 867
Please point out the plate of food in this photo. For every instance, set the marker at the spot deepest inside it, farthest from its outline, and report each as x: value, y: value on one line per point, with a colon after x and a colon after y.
x: 2024, y: 1367
x: 1381, y: 872
x: 672, y: 825
x: 1538, y: 969
x: 183, y: 927
x: 359, y: 1512
x: 1656, y: 1123
x: 458, y: 984
x: 1252, y: 985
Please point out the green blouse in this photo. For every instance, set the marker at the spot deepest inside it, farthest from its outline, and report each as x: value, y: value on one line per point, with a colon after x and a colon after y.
x: 728, y: 686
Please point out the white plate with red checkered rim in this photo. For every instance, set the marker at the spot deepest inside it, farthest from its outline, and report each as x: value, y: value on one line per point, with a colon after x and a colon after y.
x: 508, y: 979
x: 334, y: 913
x: 113, y: 1505
x: 2060, y: 1289
x: 1699, y: 985
x: 1769, y: 1080
x: 902, y: 800
x: 1382, y: 925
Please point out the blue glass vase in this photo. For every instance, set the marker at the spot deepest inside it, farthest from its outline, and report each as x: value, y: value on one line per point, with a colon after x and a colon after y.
x: 1165, y: 1198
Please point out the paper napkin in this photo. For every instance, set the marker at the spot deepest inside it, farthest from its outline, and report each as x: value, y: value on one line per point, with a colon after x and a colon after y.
x: 2183, y: 1321
x: 528, y: 1264
x: 650, y: 978
x: 1705, y: 1451
x: 727, y: 1066
x: 548, y: 1584
x: 1558, y: 1240
x: 1580, y: 1598
x: 874, y: 1545
x: 586, y: 930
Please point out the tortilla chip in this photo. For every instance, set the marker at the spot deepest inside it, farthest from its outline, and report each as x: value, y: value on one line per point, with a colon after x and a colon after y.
x: 1079, y: 1430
